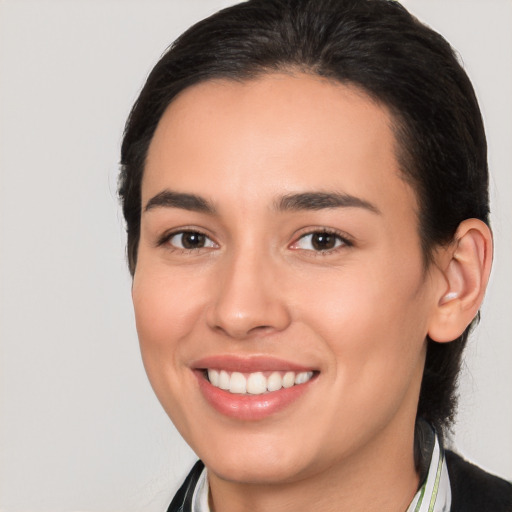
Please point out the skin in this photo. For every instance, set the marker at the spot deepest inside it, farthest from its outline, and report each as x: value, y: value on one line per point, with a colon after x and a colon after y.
x: 359, y: 313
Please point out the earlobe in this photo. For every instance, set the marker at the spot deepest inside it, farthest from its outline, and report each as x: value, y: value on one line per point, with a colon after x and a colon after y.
x: 465, y: 269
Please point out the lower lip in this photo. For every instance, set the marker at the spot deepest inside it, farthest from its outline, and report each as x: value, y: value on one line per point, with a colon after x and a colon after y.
x: 250, y: 407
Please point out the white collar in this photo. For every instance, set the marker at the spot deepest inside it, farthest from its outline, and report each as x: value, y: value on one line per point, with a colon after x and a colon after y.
x: 200, y: 496
x: 435, y: 494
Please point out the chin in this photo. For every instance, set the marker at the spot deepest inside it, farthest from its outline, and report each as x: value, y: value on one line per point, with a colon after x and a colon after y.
x: 256, y: 458
x: 256, y: 470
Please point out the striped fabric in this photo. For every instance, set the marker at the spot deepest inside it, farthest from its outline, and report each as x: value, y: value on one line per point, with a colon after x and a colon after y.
x: 435, y: 494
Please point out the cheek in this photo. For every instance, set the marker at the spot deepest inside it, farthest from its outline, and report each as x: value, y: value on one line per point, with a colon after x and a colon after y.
x: 373, y: 322
x: 166, y: 311
x: 375, y: 341
x: 167, y: 307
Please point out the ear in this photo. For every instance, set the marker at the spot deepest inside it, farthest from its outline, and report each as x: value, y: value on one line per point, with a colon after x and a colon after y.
x: 465, y: 267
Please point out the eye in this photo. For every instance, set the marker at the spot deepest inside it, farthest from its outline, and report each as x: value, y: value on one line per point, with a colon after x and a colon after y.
x: 320, y: 241
x: 190, y: 240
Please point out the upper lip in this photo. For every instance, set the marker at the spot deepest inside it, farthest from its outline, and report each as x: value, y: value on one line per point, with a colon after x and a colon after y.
x: 250, y: 364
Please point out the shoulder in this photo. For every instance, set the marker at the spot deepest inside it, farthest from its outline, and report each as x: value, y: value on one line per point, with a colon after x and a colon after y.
x: 473, y: 489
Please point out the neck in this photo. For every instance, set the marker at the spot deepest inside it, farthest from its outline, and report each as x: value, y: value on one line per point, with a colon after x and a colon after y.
x: 381, y: 476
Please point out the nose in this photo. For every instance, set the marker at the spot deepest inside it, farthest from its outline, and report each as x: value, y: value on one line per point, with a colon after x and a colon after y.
x: 248, y: 299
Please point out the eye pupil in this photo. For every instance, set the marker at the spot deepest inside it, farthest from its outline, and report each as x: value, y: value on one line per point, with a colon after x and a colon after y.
x: 192, y: 240
x: 323, y: 241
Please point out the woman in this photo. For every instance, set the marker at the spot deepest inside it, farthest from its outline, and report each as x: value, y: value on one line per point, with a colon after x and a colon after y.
x: 307, y: 215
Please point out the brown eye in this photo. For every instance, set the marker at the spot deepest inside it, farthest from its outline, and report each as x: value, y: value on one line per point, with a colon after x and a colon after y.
x: 319, y: 241
x: 190, y: 240
x: 323, y: 241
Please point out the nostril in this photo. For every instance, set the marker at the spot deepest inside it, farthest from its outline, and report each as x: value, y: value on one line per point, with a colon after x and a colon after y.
x: 263, y: 329
x: 243, y: 332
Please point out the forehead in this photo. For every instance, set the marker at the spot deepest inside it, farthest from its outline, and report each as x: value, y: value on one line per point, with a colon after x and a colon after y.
x: 277, y: 132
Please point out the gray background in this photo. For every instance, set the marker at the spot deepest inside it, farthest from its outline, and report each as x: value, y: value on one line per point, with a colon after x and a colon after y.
x: 80, y: 429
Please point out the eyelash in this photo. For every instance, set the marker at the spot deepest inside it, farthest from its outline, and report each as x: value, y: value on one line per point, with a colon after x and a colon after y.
x: 166, y: 238
x: 341, y: 239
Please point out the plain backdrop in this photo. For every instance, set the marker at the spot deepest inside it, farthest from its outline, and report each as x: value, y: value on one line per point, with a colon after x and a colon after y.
x: 80, y: 429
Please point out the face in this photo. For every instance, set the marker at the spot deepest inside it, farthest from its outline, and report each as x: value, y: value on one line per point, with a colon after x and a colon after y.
x: 279, y: 259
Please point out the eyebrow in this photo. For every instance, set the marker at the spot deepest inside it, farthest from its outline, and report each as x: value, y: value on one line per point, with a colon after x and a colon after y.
x: 289, y: 202
x: 322, y: 200
x: 171, y: 199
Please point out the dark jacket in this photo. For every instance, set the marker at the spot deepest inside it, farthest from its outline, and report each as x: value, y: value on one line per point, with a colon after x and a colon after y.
x: 473, y: 490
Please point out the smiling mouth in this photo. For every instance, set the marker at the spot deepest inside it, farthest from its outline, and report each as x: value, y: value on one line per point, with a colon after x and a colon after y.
x: 255, y: 383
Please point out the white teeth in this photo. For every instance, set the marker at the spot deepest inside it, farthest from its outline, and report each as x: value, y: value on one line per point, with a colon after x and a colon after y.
x: 238, y: 383
x: 274, y: 382
x: 303, y: 377
x: 223, y: 380
x: 288, y: 379
x: 256, y: 383
x: 213, y: 377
